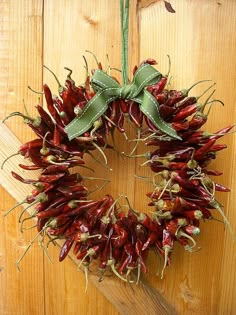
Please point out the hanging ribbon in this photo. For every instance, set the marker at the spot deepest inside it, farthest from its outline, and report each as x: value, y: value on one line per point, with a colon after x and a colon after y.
x: 107, y: 90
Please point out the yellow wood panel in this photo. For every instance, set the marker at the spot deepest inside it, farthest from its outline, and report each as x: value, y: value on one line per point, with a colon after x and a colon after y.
x: 201, y: 41
x: 200, y: 38
x: 20, y: 62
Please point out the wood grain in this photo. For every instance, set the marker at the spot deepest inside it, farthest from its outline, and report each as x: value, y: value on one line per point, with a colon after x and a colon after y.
x: 20, y: 60
x: 201, y: 40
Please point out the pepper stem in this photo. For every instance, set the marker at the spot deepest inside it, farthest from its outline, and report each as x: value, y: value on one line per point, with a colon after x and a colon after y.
x: 97, y: 160
x: 85, y: 264
x: 30, y: 244
x: 9, y: 157
x: 186, y: 91
x: 26, y: 219
x: 211, y: 102
x: 136, y: 145
x: 34, y: 91
x: 27, y: 118
x: 204, y: 92
x: 112, y: 265
x: 45, y: 150
x: 70, y: 72
x: 167, y: 250
x: 30, y: 205
x: 180, y: 233
x: 168, y: 73
x: 101, y: 151
x: 15, y: 206
x: 206, y: 101
x: 217, y: 206
x: 94, y: 56
x: 60, y: 87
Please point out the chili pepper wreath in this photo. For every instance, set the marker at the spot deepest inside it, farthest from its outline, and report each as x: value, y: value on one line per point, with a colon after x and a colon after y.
x: 79, y: 121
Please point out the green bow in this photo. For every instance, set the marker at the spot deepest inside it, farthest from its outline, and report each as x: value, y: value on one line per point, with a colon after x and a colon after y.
x: 107, y: 90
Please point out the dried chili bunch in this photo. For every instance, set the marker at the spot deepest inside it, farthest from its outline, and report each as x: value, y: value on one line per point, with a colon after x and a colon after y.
x: 102, y: 229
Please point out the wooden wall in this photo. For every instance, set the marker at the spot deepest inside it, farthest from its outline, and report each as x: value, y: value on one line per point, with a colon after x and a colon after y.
x: 201, y: 40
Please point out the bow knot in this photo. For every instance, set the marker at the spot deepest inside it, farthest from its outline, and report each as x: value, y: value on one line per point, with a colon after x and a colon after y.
x: 126, y: 91
x: 107, y: 90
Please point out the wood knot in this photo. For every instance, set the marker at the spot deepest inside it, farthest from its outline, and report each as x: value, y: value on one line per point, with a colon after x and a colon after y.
x: 90, y: 20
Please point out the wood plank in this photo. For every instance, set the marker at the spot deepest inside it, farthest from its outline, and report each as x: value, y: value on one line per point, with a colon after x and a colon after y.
x: 94, y: 31
x: 20, y: 61
x: 200, y: 39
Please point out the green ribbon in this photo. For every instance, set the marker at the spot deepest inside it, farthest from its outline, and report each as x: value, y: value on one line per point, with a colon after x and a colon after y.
x: 107, y: 90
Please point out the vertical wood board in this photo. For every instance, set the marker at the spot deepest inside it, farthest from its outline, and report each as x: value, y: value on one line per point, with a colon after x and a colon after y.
x: 201, y: 41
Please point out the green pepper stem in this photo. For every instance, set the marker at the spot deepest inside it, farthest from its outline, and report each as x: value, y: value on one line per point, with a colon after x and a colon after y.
x: 9, y: 157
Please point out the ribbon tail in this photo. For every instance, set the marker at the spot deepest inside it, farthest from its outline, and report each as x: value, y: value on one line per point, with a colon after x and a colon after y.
x: 149, y: 107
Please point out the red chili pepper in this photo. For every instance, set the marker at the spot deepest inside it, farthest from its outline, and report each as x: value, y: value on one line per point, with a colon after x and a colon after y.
x: 106, y: 253
x: 49, y: 101
x: 135, y: 114
x: 204, y: 149
x: 76, y: 248
x: 124, y: 106
x: 45, y: 117
x: 193, y: 214
x: 135, y: 69
x: 113, y: 114
x: 191, y: 230
x: 141, y: 255
x: 162, y: 98
x: 52, y: 212
x: 186, y: 204
x: 141, y: 232
x: 29, y: 167
x: 66, y: 248
x: 69, y: 191
x: 81, y: 208
x: 120, y: 237
x: 183, y: 182
x: 51, y: 169
x: 206, y: 214
x: 36, y: 143
x: 40, y: 224
x: 181, y: 125
x: 175, y: 97
x: 149, y: 61
x: 166, y: 111
x: 50, y: 178
x: 173, y: 225
x: 36, y: 159
x: 23, y: 180
x: 222, y: 188
x: 185, y: 112
x: 191, y: 100
x: 167, y: 247
x: 223, y: 131
x: 218, y: 147
x: 158, y: 87
x: 212, y: 172
x: 128, y: 257
x: 57, y: 138
x: 152, y: 238
x: 198, y: 120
